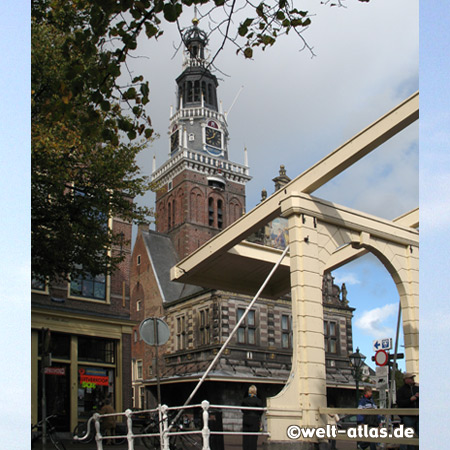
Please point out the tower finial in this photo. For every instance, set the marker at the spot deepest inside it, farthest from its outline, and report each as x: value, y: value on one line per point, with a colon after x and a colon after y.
x: 195, y: 20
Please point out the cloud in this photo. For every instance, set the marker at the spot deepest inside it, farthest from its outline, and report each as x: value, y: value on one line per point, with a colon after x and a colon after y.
x: 348, y: 278
x: 372, y: 322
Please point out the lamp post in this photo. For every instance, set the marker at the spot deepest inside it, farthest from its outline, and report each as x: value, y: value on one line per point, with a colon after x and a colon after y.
x: 356, y: 362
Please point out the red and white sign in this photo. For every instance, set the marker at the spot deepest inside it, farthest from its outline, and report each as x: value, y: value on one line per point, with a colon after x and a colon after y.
x: 55, y: 371
x: 381, y: 358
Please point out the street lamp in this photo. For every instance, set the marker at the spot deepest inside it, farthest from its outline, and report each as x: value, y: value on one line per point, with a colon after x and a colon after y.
x: 356, y: 362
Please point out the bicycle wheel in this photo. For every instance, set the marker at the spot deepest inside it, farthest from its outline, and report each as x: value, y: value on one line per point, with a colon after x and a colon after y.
x: 56, y: 442
x: 151, y: 442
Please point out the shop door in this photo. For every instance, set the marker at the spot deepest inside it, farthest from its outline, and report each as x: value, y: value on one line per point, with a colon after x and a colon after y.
x: 57, y: 387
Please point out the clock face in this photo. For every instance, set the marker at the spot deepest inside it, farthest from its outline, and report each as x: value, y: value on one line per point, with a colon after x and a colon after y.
x: 213, y: 137
x: 174, y: 141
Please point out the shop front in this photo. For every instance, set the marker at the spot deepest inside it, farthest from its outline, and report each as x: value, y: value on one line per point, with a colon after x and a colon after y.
x: 85, y: 367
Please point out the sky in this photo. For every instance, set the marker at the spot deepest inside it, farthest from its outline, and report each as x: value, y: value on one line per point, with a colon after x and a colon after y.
x: 293, y: 110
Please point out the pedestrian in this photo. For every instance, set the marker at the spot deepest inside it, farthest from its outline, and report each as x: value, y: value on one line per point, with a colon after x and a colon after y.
x: 408, y: 397
x: 108, y: 423
x: 366, y: 402
x: 333, y: 420
x: 251, y: 421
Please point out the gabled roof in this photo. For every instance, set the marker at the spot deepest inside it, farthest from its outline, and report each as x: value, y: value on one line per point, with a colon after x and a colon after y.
x: 162, y: 257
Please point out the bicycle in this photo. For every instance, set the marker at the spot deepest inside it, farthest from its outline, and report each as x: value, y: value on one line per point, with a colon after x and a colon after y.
x: 192, y: 441
x: 36, y: 433
x: 84, y: 432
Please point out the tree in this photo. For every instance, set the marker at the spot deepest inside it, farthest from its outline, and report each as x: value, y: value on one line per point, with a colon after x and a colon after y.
x: 83, y: 169
x: 87, y: 128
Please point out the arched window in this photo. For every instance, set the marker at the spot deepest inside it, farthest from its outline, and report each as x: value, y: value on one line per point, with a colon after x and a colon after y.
x: 219, y: 214
x: 169, y: 214
x: 205, y: 98
x: 196, y: 91
x: 189, y: 91
x: 211, y: 212
x: 174, y: 202
x: 210, y: 94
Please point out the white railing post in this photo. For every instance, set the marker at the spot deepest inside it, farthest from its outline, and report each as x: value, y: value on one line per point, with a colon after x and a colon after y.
x: 205, y: 430
x: 130, y: 435
x: 165, y: 422
x: 98, y: 434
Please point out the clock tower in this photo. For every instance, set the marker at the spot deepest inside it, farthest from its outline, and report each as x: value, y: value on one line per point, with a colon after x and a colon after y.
x: 199, y: 190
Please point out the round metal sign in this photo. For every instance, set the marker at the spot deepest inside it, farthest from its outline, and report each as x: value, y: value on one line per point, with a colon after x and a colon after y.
x: 152, y: 335
x: 381, y: 358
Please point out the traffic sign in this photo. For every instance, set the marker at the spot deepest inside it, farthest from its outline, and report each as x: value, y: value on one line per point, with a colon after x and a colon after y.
x: 381, y: 358
x: 151, y: 336
x: 382, y: 344
x: 381, y: 371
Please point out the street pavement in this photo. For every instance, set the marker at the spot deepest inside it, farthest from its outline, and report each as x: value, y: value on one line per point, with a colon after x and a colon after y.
x: 230, y: 443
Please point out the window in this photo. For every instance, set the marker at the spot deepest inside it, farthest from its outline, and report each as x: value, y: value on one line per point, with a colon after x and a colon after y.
x: 211, y: 212
x: 181, y: 333
x: 138, y: 305
x: 38, y: 285
x: 204, y: 327
x: 89, y: 286
x: 142, y: 397
x: 96, y: 350
x: 246, y: 333
x: 219, y: 214
x: 138, y: 260
x: 139, y: 370
x: 330, y: 336
x: 286, y: 331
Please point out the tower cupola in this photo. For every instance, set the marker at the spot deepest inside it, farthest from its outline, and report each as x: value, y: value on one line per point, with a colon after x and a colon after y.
x: 197, y: 86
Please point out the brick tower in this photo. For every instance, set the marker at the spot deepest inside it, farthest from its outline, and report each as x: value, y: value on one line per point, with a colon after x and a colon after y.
x: 199, y: 190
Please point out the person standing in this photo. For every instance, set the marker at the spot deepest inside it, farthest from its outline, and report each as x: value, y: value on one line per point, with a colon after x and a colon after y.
x: 251, y: 420
x: 408, y: 397
x: 333, y: 420
x: 366, y: 402
x: 108, y: 423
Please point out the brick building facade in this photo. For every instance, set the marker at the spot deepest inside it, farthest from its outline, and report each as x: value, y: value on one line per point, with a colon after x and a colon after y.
x: 200, y: 192
x: 90, y: 341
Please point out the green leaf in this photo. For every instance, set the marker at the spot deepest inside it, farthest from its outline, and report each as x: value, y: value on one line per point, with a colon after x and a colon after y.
x: 248, y: 52
x: 243, y: 30
x: 150, y: 30
x: 105, y: 105
x: 172, y: 11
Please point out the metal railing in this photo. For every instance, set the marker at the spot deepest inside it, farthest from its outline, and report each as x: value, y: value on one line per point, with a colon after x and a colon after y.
x: 388, y: 413
x: 165, y: 427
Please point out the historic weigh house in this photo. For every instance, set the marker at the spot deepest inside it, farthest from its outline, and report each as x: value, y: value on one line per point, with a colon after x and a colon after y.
x: 200, y: 192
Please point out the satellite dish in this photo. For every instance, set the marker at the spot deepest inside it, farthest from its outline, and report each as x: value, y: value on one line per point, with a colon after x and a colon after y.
x: 152, y: 335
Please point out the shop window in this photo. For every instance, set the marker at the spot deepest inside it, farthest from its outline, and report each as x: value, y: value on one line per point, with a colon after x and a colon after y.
x: 95, y: 385
x: 246, y: 333
x: 286, y: 331
x: 59, y: 345
x: 96, y: 349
